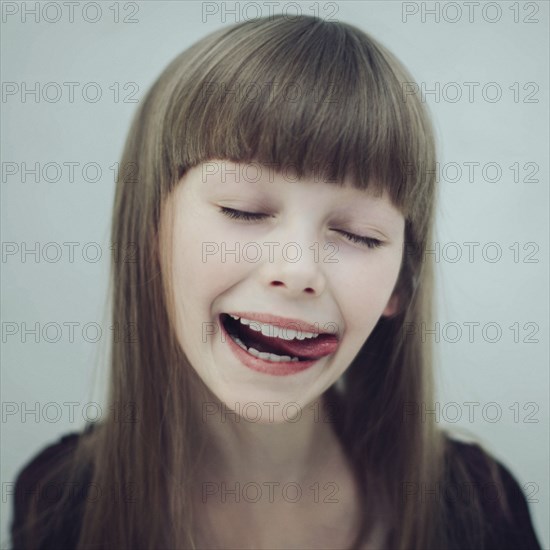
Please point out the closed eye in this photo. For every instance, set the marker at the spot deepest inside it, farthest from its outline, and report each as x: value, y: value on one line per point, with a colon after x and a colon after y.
x: 240, y: 215
x: 367, y: 241
x: 254, y: 216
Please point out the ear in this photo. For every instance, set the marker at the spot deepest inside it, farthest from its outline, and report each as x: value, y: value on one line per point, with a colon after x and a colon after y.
x: 392, y: 307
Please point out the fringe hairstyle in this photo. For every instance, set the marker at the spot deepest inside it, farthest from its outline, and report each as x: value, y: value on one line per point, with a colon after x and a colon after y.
x: 325, y: 99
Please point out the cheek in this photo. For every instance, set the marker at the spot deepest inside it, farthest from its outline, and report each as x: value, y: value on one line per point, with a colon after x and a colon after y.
x: 366, y: 286
x: 204, y: 259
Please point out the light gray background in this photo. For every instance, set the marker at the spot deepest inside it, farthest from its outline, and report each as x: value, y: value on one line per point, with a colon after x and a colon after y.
x: 505, y: 132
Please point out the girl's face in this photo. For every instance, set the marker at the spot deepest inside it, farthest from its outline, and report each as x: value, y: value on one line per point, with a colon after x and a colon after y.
x: 297, y: 261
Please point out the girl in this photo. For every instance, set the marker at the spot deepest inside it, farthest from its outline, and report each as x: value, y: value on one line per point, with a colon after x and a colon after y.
x: 277, y: 186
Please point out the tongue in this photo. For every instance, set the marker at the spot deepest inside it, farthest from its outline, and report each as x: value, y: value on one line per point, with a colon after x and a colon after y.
x: 309, y: 348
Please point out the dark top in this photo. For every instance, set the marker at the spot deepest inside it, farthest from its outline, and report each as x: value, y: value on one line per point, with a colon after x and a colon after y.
x: 516, y: 533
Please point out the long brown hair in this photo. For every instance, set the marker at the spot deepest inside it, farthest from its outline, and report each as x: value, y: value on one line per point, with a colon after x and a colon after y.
x: 326, y: 99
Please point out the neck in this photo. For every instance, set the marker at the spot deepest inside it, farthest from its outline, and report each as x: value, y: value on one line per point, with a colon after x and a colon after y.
x: 298, y: 451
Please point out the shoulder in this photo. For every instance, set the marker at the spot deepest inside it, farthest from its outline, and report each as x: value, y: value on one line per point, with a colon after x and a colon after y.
x: 49, y: 458
x: 50, y: 486
x: 476, y: 482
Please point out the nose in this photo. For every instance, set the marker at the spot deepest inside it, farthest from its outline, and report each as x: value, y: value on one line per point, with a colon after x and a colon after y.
x: 295, y: 268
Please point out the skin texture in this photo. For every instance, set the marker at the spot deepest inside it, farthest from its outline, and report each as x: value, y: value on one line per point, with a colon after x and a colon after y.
x: 348, y: 285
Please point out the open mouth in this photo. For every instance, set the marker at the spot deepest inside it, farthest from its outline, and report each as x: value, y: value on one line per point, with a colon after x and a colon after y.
x: 277, y: 345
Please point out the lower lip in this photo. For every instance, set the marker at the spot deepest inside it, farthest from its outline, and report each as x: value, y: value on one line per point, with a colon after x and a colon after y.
x: 266, y: 367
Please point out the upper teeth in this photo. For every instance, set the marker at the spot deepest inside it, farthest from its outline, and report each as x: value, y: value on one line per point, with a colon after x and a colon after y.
x: 275, y: 332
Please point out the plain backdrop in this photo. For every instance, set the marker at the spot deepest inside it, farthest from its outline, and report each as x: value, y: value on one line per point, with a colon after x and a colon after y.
x: 492, y: 351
